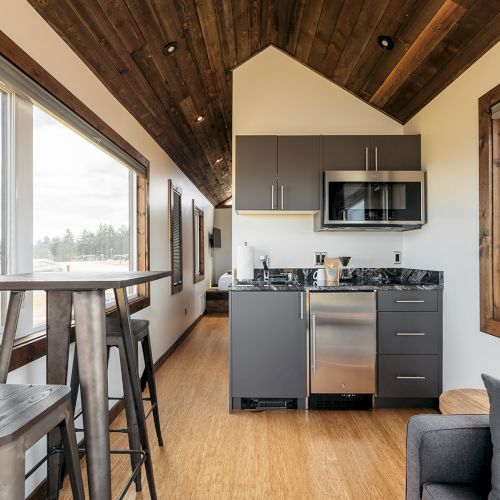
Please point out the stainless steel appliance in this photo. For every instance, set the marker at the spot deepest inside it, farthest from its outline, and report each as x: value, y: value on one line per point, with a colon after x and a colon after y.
x: 374, y: 199
x: 342, y: 342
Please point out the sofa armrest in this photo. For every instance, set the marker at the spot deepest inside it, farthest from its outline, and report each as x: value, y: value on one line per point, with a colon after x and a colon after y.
x: 447, y: 449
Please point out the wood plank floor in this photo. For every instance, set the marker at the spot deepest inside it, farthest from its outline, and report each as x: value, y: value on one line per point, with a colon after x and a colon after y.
x: 211, y: 454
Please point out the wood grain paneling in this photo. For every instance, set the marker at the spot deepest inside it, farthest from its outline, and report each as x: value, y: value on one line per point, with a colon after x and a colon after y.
x: 122, y: 42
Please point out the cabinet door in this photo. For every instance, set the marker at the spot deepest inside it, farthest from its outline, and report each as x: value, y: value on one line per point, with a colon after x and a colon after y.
x: 345, y: 152
x: 299, y: 167
x: 268, y: 345
x: 256, y: 172
x: 395, y: 152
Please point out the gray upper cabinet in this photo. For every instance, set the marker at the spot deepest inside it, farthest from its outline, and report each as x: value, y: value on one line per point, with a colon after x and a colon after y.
x: 277, y: 173
x: 299, y: 167
x: 268, y: 345
x: 376, y: 152
x: 395, y: 152
x: 256, y: 172
x: 345, y: 152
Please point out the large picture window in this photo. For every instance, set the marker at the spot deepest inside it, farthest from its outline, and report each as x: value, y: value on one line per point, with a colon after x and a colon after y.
x: 71, y: 200
x: 94, y: 231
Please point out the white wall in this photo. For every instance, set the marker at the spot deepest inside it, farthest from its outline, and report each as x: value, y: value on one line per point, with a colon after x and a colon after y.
x: 222, y: 255
x: 25, y: 27
x: 275, y: 94
x: 450, y: 241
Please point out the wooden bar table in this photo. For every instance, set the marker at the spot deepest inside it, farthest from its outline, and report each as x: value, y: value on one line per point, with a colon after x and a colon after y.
x: 86, y: 293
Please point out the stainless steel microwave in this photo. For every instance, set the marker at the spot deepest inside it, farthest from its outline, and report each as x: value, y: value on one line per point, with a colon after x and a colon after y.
x: 374, y: 199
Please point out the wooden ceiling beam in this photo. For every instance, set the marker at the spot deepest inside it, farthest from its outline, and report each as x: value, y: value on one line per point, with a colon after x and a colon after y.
x: 487, y: 38
x: 421, y: 14
x: 343, y: 29
x: 326, y: 27
x: 440, y: 25
x: 367, y: 21
x: 292, y: 34
x: 396, y: 14
x: 308, y: 26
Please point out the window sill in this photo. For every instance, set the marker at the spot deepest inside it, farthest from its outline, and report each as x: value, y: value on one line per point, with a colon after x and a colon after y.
x: 32, y: 347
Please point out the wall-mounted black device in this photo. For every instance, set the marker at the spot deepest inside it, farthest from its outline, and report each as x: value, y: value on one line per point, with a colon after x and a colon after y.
x: 215, y: 238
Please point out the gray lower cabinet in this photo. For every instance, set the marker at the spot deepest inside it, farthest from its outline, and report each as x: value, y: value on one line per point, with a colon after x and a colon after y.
x: 410, y: 340
x: 268, y: 345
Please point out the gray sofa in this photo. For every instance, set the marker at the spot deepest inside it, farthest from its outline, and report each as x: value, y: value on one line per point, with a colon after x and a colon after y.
x: 448, y: 457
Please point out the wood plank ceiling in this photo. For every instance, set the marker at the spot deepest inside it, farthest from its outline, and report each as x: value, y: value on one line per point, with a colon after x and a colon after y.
x: 122, y: 42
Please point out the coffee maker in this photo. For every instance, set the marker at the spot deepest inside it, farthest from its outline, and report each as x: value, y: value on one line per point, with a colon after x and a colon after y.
x: 346, y: 271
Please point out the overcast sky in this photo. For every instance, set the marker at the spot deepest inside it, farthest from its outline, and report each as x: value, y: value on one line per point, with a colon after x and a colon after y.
x: 75, y: 184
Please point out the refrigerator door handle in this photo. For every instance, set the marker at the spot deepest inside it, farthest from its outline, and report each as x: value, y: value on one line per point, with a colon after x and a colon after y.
x: 313, y: 343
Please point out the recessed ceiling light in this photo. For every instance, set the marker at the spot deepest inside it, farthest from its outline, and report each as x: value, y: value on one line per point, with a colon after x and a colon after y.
x: 170, y: 48
x: 200, y: 118
x: 386, y: 42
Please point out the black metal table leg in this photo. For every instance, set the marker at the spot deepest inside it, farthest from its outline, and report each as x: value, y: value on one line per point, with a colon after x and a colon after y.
x: 90, y: 326
x: 128, y: 344
x: 58, y: 333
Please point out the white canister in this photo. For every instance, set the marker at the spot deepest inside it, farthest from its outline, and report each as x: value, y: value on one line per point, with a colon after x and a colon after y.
x: 320, y: 276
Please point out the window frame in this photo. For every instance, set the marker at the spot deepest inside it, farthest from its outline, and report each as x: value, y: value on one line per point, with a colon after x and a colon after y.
x: 176, y: 286
x: 201, y: 244
x: 489, y: 214
x: 31, y: 347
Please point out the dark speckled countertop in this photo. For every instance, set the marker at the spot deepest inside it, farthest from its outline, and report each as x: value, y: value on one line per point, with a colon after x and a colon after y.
x: 364, y: 279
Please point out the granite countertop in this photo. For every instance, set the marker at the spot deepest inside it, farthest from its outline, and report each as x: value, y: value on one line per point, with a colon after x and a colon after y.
x: 364, y: 279
x: 344, y: 286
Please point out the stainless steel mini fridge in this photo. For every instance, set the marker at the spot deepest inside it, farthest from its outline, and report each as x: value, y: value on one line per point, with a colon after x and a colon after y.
x: 343, y: 345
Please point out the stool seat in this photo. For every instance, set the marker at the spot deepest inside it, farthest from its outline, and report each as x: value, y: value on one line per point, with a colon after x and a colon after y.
x: 28, y: 413
x: 21, y: 404
x: 140, y: 328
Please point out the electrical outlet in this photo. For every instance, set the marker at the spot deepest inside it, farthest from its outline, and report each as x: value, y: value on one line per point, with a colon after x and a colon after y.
x: 398, y: 258
x: 319, y: 258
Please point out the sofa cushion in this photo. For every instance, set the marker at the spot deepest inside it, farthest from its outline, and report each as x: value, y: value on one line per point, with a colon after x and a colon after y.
x: 492, y: 385
x: 437, y: 491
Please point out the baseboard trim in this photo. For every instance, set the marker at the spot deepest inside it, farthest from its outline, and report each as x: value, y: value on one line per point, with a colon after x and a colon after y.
x: 40, y: 492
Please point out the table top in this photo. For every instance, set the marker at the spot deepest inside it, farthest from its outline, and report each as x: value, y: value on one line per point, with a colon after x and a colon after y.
x: 78, y: 281
x: 464, y: 402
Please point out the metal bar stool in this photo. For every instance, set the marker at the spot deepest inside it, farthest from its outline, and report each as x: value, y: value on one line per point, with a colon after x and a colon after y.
x: 140, y: 331
x: 27, y: 413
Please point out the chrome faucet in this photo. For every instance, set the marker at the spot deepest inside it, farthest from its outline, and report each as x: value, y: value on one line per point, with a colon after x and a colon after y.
x: 265, y: 264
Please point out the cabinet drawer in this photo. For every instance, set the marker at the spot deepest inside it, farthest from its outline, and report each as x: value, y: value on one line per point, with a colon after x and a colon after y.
x: 408, y: 300
x: 408, y: 376
x: 409, y: 333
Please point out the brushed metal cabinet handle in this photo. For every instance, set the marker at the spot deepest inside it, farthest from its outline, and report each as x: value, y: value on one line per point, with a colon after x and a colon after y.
x: 301, y: 305
x: 366, y: 158
x: 410, y: 334
x: 409, y: 301
x: 313, y: 339
x: 403, y: 377
x: 376, y: 158
x: 272, y: 196
x: 282, y: 198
